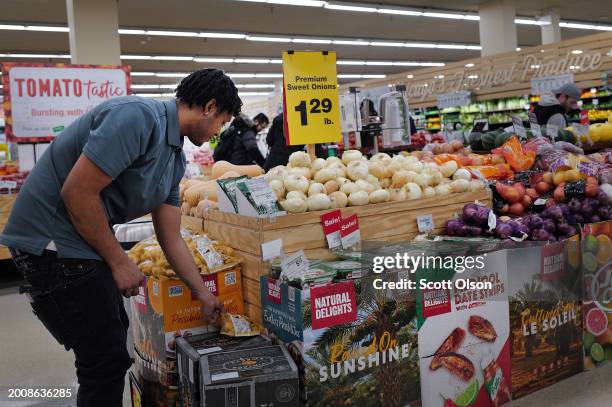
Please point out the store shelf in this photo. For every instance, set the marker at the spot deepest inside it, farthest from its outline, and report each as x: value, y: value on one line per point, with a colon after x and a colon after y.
x: 596, y: 97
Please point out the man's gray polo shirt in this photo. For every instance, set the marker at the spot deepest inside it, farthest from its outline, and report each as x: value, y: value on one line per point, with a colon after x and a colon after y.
x: 134, y: 140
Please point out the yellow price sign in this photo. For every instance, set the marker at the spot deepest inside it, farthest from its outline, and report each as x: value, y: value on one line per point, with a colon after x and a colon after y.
x: 310, y: 93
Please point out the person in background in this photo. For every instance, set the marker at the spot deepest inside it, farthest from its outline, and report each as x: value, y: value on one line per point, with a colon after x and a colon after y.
x: 279, y: 151
x: 120, y: 161
x: 238, y: 143
x: 552, y: 108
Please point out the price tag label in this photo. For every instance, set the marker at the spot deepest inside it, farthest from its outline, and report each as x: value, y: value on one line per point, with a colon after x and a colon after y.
x: 492, y: 221
x: 479, y: 125
x: 271, y: 250
x: 311, y: 111
x: 349, y: 231
x: 552, y: 131
x: 540, y: 201
x: 294, y: 266
x: 331, y: 228
x: 8, y: 184
x: 425, y: 223
x: 261, y: 192
x: 519, y: 129
x: 533, y: 124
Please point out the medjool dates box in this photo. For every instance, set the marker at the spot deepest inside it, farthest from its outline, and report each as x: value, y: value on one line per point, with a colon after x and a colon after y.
x: 264, y: 376
x: 189, y: 351
x: 464, y: 346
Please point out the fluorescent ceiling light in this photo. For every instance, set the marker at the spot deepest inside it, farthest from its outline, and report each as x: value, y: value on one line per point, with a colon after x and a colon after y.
x: 400, y: 12
x: 267, y: 39
x: 51, y: 56
x: 410, y: 76
x: 577, y: 51
x: 252, y: 60
x: 475, y: 47
x: 526, y: 21
x: 14, y: 27
x: 268, y: 75
x: 348, y: 7
x: 472, y: 17
x: 142, y: 74
x: 136, y: 57
x: 413, y: 63
x: 451, y: 46
x: 307, y: 3
x: 419, y: 45
x: 172, y: 58
x: 361, y: 76
x: 129, y: 31
x: 148, y: 95
x: 144, y: 86
x: 255, y: 85
x: 469, y: 65
x: 217, y: 60
x: 171, y: 33
x: 379, y: 63
x: 222, y: 35
x: 443, y: 15
x: 171, y: 74
x: 350, y: 42
x: 344, y: 62
x: 46, y: 28
x: 386, y: 44
x: 311, y: 41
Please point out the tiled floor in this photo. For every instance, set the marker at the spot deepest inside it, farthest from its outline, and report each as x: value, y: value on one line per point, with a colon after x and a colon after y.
x: 29, y: 356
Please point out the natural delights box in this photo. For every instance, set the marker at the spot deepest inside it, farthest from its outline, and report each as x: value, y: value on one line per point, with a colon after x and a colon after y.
x: 353, y: 345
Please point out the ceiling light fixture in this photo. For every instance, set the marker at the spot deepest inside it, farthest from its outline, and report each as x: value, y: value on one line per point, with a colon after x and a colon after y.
x: 349, y: 7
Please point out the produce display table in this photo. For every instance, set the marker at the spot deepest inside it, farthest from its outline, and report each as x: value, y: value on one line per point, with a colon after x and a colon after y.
x: 391, y: 221
x: 6, y: 204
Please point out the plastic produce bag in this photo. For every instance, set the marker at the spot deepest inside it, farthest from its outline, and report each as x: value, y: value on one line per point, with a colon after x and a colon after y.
x: 519, y: 157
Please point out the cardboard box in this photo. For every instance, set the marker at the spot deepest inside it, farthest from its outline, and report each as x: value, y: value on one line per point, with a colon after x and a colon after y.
x: 597, y: 297
x: 353, y: 345
x: 264, y: 376
x: 545, y: 315
x: 165, y: 310
x: 463, y: 337
x: 189, y: 351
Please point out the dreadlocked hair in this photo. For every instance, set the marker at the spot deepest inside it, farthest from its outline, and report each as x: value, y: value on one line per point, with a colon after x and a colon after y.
x: 200, y: 87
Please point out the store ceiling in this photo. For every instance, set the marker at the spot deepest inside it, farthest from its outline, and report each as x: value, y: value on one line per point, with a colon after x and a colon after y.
x: 257, y: 18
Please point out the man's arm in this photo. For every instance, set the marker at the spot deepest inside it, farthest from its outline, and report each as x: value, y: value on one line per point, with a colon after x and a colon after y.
x: 167, y: 223
x: 81, y: 196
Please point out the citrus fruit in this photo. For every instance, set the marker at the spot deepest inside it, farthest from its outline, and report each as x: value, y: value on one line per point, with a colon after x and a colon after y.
x: 573, y: 254
x: 604, y: 250
x: 590, y: 262
x: 469, y: 395
x: 596, y: 322
x: 589, y: 340
x: 597, y: 352
x: 591, y: 243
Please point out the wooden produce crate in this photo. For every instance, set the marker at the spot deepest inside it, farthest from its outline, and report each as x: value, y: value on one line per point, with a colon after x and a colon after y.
x: 390, y: 221
x: 192, y: 223
x: 6, y: 204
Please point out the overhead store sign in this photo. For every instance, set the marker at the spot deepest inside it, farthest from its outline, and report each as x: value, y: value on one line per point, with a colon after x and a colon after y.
x: 310, y: 84
x: 454, y: 99
x: 525, y: 68
x: 41, y: 100
x: 548, y: 84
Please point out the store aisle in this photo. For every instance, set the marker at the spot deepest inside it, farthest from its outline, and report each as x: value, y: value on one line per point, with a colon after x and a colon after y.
x: 30, y: 357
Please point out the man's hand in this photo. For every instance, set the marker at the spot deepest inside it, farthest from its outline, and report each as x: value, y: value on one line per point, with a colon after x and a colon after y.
x: 211, y: 308
x: 127, y: 276
x: 167, y: 223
